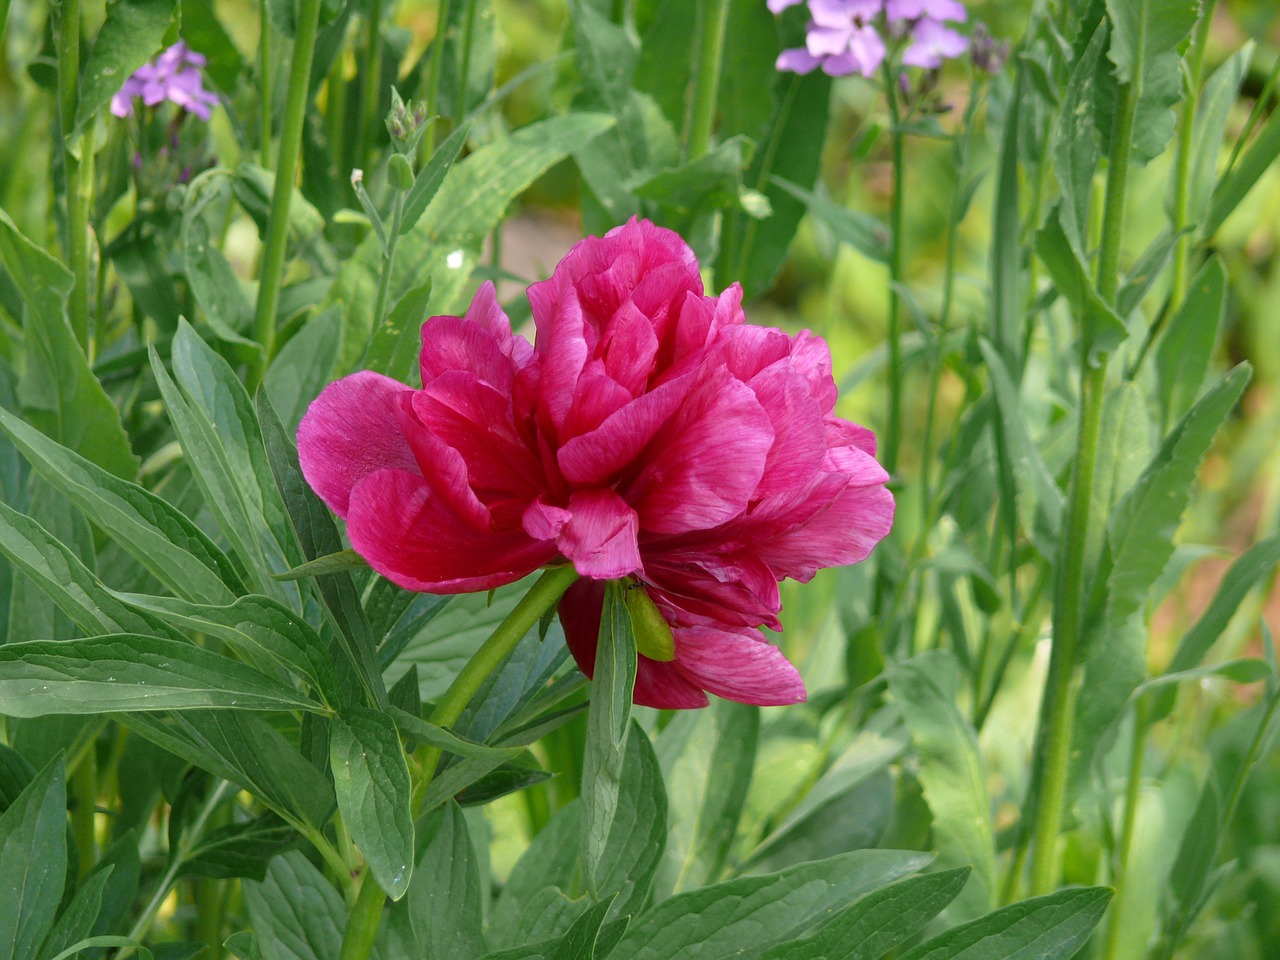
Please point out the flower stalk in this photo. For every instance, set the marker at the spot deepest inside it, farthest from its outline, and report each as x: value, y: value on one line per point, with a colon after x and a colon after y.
x: 77, y: 167
x: 713, y: 16
x: 893, y: 432
x: 265, y: 83
x: 264, y: 322
x: 433, y: 77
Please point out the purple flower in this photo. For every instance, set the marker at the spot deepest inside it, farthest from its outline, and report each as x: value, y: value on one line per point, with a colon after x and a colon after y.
x: 841, y: 39
x: 777, y: 6
x: 931, y: 43
x: 933, y: 9
x: 174, y: 75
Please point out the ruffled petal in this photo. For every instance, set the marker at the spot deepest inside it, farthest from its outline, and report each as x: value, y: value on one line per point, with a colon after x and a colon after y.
x: 414, y: 538
x: 600, y: 536
x: 739, y: 666
x: 349, y: 431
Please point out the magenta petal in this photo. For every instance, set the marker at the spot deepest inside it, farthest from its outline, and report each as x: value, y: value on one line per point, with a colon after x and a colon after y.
x: 600, y: 538
x: 442, y: 466
x: 705, y: 463
x: 348, y: 432
x: 738, y: 666
x: 414, y: 538
x: 542, y: 521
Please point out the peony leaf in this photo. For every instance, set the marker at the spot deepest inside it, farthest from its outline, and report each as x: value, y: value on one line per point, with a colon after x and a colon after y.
x: 446, y: 902
x: 296, y: 913
x: 32, y: 885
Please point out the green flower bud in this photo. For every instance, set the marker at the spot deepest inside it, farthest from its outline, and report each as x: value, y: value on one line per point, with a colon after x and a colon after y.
x: 400, y: 172
x: 652, y: 633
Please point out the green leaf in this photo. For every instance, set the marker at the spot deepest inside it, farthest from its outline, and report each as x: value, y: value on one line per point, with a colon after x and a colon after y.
x: 743, y: 918
x: 607, y: 725
x: 1218, y: 96
x: 707, y: 808
x: 221, y: 294
x: 258, y: 628
x: 1006, y: 300
x: 153, y: 531
x: 296, y: 913
x: 638, y: 829
x: 245, y: 749
x: 239, y: 849
x: 58, y: 390
x: 534, y: 903
x: 1145, y: 29
x: 1184, y: 351
x: 318, y: 535
x: 415, y: 728
x: 446, y: 901
x: 393, y: 345
x: 1076, y: 145
x: 445, y: 243
x: 1198, y: 848
x: 874, y: 924
x: 304, y: 366
x: 1250, y: 569
x: 371, y: 780
x: 55, y: 569
x: 951, y: 773
x: 581, y: 939
x: 863, y: 232
x: 127, y: 672
x: 1236, y: 184
x: 93, y: 943
x: 1101, y: 328
x: 339, y: 562
x: 132, y: 33
x: 1045, y: 928
x: 31, y: 886
x: 78, y: 918
x: 429, y: 179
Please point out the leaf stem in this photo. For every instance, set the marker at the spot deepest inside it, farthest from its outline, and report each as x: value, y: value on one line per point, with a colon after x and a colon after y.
x: 713, y: 17
x: 892, y: 434
x: 371, y: 94
x: 264, y: 323
x: 1128, y: 827
x: 437, y: 67
x: 1182, y: 168
x: 1057, y: 713
x: 265, y: 83
x: 388, y: 259
x: 76, y: 169
x: 464, y: 74
x: 366, y: 914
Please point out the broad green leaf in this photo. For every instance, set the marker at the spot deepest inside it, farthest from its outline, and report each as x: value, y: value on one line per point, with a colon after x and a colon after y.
x: 239, y: 849
x: 708, y: 757
x: 56, y: 570
x: 1250, y: 569
x: 607, y: 725
x: 58, y: 390
x: 1044, y: 928
x: 318, y: 536
x: 637, y: 831
x: 1140, y: 530
x: 876, y: 923
x: 1101, y: 328
x: 951, y: 773
x: 127, y: 672
x: 1123, y: 452
x: 863, y: 232
x: 244, y: 945
x: 446, y: 241
x: 427, y: 183
x: 296, y: 913
x: 124, y: 865
x: 1145, y: 29
x: 371, y: 780
x: 204, y: 32
x: 743, y: 918
x: 535, y: 901
x: 342, y: 561
x: 415, y: 728
x: 394, y: 343
x: 154, y: 532
x: 581, y: 940
x: 245, y: 749
x: 446, y: 899
x: 259, y: 629
x: 1076, y: 147
x: 223, y: 298
x: 304, y: 366
x: 31, y: 886
x: 132, y: 33
x: 1186, y: 347
x: 77, y: 919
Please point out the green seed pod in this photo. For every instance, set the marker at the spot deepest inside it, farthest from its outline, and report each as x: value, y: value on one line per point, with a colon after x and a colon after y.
x: 399, y: 172
x: 653, y: 635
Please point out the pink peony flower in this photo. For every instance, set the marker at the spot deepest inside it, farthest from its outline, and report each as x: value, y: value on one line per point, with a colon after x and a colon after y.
x: 651, y: 433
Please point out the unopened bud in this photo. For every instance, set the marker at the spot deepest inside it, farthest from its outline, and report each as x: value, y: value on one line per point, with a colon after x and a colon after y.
x: 650, y: 627
x: 400, y: 172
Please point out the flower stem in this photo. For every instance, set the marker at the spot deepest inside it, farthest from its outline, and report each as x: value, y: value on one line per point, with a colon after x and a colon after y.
x: 437, y: 67
x: 892, y: 434
x: 464, y: 74
x: 371, y: 93
x: 366, y: 914
x: 1058, y: 711
x: 265, y: 83
x: 1182, y: 168
x: 713, y: 16
x: 264, y: 323
x: 77, y: 201
x: 84, y: 791
x: 1128, y: 827
x: 388, y: 258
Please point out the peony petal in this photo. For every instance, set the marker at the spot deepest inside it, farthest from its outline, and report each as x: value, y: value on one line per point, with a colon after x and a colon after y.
x: 442, y: 466
x: 562, y: 346
x: 706, y: 461
x: 452, y: 344
x: 600, y: 535
x: 543, y: 521
x: 738, y: 666
x: 730, y: 587
x: 348, y: 432
x: 658, y: 685
x: 414, y: 538
x: 800, y: 441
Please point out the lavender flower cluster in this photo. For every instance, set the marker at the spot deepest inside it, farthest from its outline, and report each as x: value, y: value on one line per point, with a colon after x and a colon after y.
x: 174, y: 75
x: 848, y: 36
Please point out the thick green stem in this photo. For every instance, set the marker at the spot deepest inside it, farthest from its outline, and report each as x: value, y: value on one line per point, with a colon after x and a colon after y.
x: 1128, y: 827
x: 84, y: 792
x: 892, y: 434
x: 264, y: 323
x: 265, y: 83
x: 1058, y: 711
x: 464, y: 74
x: 75, y: 168
x: 371, y: 93
x: 1182, y: 168
x: 437, y: 68
x: 713, y: 17
x: 366, y: 914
